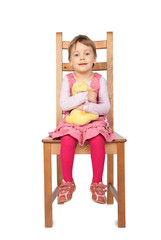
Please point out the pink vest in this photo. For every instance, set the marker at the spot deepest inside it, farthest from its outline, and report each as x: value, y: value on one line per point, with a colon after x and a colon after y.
x: 95, y: 83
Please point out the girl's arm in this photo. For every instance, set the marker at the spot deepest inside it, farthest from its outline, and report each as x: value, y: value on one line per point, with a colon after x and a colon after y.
x: 68, y: 102
x: 103, y: 106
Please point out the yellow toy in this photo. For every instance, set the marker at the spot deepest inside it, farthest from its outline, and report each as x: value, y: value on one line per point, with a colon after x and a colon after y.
x: 76, y: 116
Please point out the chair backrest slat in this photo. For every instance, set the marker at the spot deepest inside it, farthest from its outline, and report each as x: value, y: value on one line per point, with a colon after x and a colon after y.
x: 98, y: 67
x: 106, y: 44
x: 98, y: 44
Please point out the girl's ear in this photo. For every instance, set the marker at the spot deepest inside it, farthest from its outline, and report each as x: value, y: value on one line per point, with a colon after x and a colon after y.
x: 94, y: 60
x: 70, y: 62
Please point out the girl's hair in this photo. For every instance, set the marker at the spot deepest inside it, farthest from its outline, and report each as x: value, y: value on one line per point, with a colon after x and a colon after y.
x: 84, y: 40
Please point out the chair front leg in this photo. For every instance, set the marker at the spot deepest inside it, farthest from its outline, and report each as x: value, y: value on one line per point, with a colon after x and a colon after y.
x: 121, y: 184
x: 109, y: 177
x: 47, y: 185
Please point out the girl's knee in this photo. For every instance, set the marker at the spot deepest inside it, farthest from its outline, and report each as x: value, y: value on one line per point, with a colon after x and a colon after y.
x: 99, y: 139
x: 68, y: 140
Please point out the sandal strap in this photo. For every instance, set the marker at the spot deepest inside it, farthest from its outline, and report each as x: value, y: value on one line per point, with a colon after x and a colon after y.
x: 65, y: 187
x: 99, y: 188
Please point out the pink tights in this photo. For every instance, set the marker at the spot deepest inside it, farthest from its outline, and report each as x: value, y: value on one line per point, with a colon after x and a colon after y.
x: 67, y: 151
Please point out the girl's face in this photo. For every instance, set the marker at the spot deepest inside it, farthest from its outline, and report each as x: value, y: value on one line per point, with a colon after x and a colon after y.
x: 82, y: 58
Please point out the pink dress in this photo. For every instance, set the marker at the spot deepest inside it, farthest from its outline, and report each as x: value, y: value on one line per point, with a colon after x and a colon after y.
x: 87, y: 131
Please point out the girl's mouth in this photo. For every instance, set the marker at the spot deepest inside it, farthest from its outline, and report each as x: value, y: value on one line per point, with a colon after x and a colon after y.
x: 82, y: 63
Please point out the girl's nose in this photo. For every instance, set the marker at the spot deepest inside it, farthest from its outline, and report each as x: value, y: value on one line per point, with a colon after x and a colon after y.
x: 81, y: 57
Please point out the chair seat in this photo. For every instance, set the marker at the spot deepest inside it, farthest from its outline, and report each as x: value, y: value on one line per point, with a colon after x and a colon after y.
x: 118, y: 139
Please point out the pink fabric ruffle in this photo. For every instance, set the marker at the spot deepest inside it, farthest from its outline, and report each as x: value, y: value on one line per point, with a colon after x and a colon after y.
x: 82, y: 133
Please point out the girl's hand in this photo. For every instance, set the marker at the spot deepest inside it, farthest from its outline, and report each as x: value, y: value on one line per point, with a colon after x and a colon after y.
x: 80, y: 107
x: 92, y: 95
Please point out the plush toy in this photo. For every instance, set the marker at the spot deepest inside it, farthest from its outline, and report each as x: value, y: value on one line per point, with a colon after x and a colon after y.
x: 76, y: 116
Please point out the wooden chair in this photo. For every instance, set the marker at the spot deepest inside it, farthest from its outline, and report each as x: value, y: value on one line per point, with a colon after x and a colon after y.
x: 115, y: 147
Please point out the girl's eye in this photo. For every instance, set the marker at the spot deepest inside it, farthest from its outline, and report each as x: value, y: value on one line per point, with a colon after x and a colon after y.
x: 87, y: 54
x: 76, y: 55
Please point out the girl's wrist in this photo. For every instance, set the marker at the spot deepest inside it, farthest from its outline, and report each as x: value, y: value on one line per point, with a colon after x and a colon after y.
x: 80, y: 107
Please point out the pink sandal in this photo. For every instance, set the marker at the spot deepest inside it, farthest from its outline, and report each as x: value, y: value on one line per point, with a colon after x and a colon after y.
x: 98, y: 192
x: 66, y: 190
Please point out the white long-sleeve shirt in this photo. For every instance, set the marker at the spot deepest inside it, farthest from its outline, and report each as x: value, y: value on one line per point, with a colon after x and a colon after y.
x: 68, y: 102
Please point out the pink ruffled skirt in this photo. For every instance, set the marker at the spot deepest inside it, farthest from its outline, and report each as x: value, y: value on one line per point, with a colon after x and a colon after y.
x: 82, y: 133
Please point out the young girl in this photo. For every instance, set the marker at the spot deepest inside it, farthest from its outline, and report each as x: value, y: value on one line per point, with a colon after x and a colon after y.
x: 82, y: 56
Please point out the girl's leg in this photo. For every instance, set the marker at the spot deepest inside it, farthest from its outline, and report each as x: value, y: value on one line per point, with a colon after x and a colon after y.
x: 97, y: 146
x: 67, y: 156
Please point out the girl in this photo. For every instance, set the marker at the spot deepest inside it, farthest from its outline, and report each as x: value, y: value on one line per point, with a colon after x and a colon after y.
x: 82, y: 56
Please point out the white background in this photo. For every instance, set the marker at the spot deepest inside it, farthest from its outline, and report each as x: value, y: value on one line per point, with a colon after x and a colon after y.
x: 27, y: 96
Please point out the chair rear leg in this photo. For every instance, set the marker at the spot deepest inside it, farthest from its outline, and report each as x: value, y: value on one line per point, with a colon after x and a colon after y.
x: 47, y: 185
x: 59, y: 171
x: 109, y: 177
x: 121, y: 184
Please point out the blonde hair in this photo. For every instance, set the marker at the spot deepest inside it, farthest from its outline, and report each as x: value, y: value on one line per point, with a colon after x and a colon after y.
x: 84, y: 40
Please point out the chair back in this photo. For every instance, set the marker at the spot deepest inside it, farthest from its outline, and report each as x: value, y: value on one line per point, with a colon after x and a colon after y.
x: 99, y: 66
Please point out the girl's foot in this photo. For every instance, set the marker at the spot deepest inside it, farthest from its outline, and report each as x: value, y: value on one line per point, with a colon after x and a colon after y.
x: 66, y: 190
x: 98, y: 192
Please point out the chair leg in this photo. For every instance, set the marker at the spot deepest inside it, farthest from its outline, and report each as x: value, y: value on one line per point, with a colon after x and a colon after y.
x: 47, y: 185
x: 59, y: 171
x: 121, y: 184
x: 109, y: 177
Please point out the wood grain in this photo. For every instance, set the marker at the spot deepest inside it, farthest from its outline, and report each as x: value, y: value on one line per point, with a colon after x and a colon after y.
x: 59, y: 75
x: 99, y: 66
x: 98, y: 44
x: 110, y: 76
x: 121, y: 184
x: 47, y: 185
